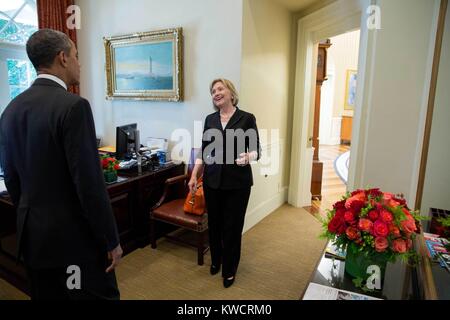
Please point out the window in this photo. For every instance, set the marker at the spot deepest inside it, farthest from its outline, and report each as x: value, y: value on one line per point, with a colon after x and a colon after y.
x: 18, y: 21
x: 20, y: 75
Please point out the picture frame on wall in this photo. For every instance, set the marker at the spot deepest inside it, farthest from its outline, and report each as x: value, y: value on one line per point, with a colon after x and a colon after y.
x: 350, y: 90
x: 145, y: 66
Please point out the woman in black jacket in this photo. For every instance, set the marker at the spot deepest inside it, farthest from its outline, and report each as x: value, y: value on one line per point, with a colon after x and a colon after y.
x: 230, y: 143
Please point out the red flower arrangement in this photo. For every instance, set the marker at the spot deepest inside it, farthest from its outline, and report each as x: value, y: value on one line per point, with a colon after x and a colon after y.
x: 373, y: 222
x: 109, y: 164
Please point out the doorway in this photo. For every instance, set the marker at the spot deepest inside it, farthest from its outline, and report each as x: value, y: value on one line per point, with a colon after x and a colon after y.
x: 338, y: 18
x: 333, y: 118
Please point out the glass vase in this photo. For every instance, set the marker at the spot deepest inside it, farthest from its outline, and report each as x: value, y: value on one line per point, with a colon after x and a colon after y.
x: 110, y: 176
x: 356, y: 264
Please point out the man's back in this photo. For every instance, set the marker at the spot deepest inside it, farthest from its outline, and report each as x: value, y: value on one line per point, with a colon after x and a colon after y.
x: 33, y: 125
x: 54, y: 177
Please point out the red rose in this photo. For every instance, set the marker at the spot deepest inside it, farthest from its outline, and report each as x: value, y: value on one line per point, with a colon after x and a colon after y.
x: 337, y: 225
x: 359, y: 191
x: 394, y: 231
x: 340, y: 213
x: 381, y: 244
x: 386, y: 216
x: 402, y: 202
x: 116, y: 167
x: 357, y: 197
x: 408, y: 225
x: 374, y: 192
x: 352, y: 233
x: 373, y: 215
x: 380, y: 229
x: 393, y: 203
x: 399, y: 245
x: 365, y: 225
x: 387, y: 195
x: 356, y: 206
x: 339, y: 205
x: 349, y: 217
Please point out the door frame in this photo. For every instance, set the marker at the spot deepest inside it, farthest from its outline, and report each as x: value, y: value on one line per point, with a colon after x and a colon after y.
x: 339, y: 17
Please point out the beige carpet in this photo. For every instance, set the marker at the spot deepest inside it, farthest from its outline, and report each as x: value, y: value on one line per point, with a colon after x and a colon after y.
x: 278, y: 257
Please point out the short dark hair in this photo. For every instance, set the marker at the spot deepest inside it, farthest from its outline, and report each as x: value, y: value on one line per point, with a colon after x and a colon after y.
x: 44, y: 45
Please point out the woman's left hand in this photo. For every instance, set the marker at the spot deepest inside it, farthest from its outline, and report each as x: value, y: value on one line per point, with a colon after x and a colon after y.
x: 243, y: 160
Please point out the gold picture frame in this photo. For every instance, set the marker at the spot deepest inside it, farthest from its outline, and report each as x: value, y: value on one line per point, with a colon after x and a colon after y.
x: 145, y: 66
x: 350, y: 90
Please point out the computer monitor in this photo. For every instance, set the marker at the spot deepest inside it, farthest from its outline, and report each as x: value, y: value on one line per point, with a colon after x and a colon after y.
x: 126, y: 141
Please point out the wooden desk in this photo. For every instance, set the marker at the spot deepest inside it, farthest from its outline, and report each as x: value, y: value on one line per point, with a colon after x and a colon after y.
x: 131, y: 201
x: 346, y: 129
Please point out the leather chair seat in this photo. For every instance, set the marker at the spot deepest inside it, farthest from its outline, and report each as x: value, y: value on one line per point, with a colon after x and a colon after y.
x: 172, y: 212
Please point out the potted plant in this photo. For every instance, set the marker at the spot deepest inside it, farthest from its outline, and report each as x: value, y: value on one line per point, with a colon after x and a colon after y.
x: 374, y: 228
x: 110, y: 166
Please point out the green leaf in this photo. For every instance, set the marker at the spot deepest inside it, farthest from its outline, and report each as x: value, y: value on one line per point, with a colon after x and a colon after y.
x: 358, y: 282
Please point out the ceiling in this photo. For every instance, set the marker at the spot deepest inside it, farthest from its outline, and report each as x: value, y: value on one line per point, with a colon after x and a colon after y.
x: 296, y: 5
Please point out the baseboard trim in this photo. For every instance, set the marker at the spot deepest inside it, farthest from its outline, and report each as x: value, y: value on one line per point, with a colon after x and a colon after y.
x: 265, y: 208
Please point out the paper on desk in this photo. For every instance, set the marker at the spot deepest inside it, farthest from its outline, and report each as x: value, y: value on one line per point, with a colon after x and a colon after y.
x: 157, y: 143
x: 319, y: 292
x: 2, y: 186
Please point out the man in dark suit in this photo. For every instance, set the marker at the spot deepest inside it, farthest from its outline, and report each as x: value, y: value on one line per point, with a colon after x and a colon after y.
x: 65, y: 226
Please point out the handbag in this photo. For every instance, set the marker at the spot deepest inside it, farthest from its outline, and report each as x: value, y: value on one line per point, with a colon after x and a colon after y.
x: 195, y: 201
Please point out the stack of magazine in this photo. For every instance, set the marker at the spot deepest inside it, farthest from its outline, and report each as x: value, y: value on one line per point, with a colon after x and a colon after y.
x: 437, y: 250
x: 334, y: 252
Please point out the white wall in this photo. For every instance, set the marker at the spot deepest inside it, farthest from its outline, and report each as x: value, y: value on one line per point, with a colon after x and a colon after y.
x: 212, y: 48
x: 265, y: 84
x: 436, y: 193
x: 219, y: 36
x: 342, y: 56
x: 399, y: 60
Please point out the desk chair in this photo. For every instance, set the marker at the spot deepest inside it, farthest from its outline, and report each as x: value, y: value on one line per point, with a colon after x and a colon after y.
x: 171, y: 211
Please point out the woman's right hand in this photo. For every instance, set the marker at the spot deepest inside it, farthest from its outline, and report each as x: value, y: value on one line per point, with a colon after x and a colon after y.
x: 192, y: 184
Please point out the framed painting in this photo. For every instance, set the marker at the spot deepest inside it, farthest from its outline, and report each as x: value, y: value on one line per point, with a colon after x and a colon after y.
x: 145, y: 66
x: 350, y: 90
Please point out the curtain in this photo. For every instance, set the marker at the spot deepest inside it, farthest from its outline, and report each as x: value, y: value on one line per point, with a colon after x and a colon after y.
x: 52, y: 14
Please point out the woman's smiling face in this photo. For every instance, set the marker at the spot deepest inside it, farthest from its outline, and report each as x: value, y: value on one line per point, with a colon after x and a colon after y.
x: 221, y: 95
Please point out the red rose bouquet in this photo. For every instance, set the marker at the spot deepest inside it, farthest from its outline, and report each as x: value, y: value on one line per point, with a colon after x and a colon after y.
x: 109, y: 164
x: 374, y: 224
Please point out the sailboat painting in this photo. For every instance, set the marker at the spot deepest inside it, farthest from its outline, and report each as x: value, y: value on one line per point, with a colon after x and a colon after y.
x: 145, y: 67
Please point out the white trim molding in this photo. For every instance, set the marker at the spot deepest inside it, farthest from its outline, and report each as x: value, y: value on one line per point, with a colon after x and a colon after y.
x: 337, y: 18
x: 264, y: 209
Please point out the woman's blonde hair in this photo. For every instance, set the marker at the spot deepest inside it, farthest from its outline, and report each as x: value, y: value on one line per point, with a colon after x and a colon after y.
x: 230, y: 86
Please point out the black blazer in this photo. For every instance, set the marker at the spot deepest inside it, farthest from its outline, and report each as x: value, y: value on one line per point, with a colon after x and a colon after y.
x: 53, y: 175
x: 218, y: 172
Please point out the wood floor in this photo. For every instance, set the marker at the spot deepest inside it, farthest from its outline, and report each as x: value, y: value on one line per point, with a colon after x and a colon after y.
x: 332, y: 186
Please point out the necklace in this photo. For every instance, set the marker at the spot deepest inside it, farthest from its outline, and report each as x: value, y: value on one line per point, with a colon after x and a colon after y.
x: 227, y: 117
